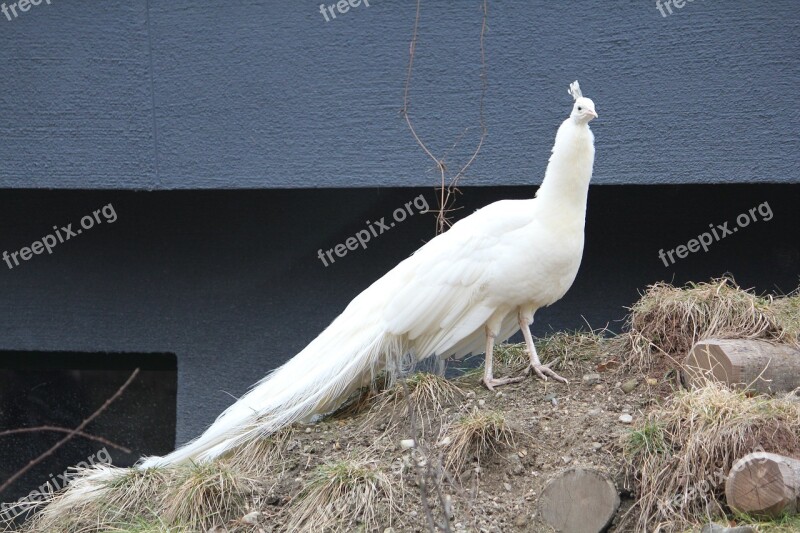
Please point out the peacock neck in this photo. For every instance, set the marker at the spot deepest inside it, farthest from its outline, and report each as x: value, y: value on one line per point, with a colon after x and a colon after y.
x: 565, y: 188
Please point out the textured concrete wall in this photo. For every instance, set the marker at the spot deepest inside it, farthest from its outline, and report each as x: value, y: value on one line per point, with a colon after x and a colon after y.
x: 180, y: 94
x: 231, y: 282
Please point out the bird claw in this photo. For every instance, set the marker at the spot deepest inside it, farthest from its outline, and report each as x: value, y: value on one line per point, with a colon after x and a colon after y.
x: 492, y: 383
x: 543, y: 371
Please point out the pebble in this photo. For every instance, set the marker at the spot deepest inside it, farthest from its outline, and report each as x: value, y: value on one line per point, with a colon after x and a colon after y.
x: 629, y: 386
x: 626, y: 418
x: 591, y: 379
x: 596, y: 446
x: 652, y: 381
x: 521, y: 521
x: 516, y: 467
x: 407, y: 444
x: 507, y: 486
x: 251, y: 518
x: 594, y: 412
x: 550, y: 396
x: 481, y: 402
x: 566, y: 459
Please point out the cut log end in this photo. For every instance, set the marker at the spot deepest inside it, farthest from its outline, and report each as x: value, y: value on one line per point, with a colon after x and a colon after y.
x: 579, y: 500
x: 758, y: 365
x: 764, y: 484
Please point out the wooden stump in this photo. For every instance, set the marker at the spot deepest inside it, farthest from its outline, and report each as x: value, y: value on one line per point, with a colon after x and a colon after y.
x: 579, y: 500
x: 763, y: 366
x: 762, y: 483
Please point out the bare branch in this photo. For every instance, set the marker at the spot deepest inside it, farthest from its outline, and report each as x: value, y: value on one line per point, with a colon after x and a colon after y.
x: 71, y: 434
x: 446, y: 190
x: 57, y: 429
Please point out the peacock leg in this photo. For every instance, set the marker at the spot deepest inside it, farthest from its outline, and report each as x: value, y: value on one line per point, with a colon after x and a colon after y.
x: 488, y: 370
x: 525, y: 320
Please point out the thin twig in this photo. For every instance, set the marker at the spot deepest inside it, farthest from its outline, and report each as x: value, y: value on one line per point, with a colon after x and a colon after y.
x: 423, y: 492
x: 446, y: 190
x: 57, y: 429
x: 71, y: 434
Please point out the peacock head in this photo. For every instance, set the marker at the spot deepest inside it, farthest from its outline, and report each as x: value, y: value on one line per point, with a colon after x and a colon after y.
x: 583, y: 110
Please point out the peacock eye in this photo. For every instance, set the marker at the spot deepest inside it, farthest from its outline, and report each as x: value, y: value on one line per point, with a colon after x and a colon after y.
x: 580, y: 108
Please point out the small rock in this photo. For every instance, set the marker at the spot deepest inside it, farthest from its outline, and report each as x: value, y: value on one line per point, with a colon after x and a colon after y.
x: 448, y: 507
x: 652, y: 381
x: 407, y: 444
x: 596, y: 446
x: 591, y: 379
x: 593, y: 412
x: 507, y: 486
x: 308, y: 430
x: 445, y: 441
x: 388, y: 530
x: 626, y: 418
x: 251, y: 518
x: 598, y: 387
x: 550, y: 396
x: 627, y: 408
x: 481, y: 402
x: 515, y: 466
x: 629, y: 385
x: 521, y: 521
x: 308, y: 449
x: 566, y: 459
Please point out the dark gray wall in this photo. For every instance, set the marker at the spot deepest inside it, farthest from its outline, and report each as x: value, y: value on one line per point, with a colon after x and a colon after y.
x: 230, y: 281
x: 179, y: 94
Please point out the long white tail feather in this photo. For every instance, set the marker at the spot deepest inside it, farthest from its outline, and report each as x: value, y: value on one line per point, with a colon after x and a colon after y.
x: 345, y: 356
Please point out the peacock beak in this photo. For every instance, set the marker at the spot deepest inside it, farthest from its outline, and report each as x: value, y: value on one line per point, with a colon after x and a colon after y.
x: 592, y: 112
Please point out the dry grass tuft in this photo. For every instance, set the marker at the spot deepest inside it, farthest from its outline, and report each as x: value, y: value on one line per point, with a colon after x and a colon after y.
x: 122, y: 502
x: 261, y: 457
x: 343, y: 495
x: 182, y: 498
x: 430, y: 395
x: 476, y: 435
x: 669, y: 320
x: 679, y: 457
x: 787, y: 310
x: 204, y: 495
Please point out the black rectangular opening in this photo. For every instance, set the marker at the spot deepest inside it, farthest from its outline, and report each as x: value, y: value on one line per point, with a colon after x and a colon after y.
x: 57, y: 391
